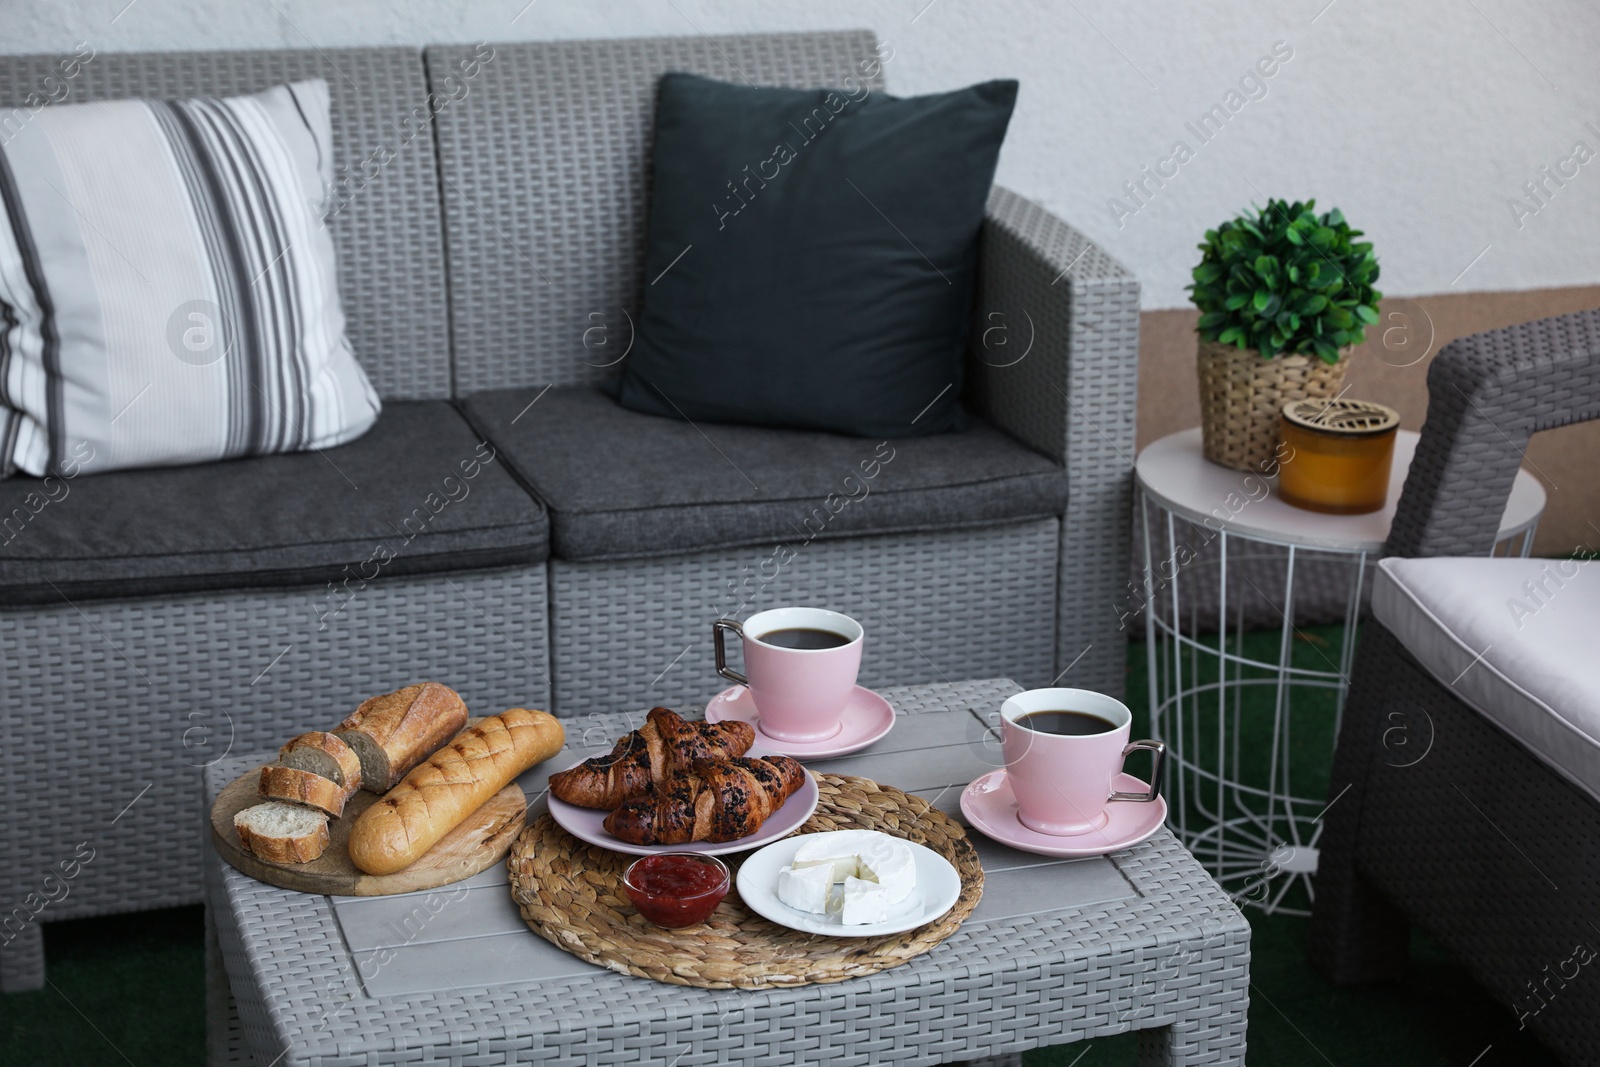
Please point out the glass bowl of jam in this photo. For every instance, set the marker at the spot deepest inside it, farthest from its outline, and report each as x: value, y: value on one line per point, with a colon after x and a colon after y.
x: 674, y: 889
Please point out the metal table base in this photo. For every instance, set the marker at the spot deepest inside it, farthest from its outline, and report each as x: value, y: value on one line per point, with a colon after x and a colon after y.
x: 1240, y: 800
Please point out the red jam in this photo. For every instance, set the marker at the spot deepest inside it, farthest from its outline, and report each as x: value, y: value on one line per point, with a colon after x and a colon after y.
x: 676, y: 889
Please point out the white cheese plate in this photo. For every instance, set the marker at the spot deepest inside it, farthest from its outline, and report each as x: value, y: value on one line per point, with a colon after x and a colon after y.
x: 938, y: 888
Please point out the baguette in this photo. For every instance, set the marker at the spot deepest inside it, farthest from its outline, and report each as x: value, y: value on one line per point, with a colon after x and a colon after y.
x: 324, y: 754
x: 279, y: 782
x: 455, y: 781
x: 394, y: 732
x: 282, y: 833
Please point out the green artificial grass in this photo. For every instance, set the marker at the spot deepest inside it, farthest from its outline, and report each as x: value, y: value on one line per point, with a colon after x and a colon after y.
x: 124, y: 989
x: 129, y: 989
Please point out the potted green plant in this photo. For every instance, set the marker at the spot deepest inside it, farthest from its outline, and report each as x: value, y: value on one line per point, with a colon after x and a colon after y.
x: 1284, y: 295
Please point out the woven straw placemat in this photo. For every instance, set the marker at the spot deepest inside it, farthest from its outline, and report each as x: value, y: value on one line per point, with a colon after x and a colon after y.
x: 571, y: 894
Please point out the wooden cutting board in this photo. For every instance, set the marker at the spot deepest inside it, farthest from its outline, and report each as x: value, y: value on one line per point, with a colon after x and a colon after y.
x: 481, y: 841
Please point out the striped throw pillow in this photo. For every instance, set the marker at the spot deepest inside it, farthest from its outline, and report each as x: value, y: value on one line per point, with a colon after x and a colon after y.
x: 167, y: 284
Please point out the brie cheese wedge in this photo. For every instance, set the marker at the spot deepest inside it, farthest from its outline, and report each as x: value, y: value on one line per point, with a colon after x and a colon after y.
x: 805, y: 889
x: 865, y: 854
x: 863, y: 902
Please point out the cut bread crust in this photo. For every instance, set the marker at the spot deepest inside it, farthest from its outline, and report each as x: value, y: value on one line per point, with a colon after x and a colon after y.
x: 282, y: 833
x: 395, y: 732
x: 280, y: 782
x: 323, y: 753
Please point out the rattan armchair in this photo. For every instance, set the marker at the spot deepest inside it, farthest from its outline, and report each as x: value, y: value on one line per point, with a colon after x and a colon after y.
x: 1467, y: 833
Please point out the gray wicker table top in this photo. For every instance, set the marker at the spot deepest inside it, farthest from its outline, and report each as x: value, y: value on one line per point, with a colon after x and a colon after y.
x: 1057, y: 951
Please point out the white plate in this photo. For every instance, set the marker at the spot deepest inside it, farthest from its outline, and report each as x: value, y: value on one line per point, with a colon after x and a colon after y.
x: 588, y: 824
x: 938, y: 889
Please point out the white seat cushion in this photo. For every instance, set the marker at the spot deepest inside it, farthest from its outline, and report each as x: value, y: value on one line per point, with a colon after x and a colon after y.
x: 1517, y: 639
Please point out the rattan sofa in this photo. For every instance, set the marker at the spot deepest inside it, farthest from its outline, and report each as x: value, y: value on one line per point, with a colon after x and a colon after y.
x: 1465, y: 794
x: 489, y: 222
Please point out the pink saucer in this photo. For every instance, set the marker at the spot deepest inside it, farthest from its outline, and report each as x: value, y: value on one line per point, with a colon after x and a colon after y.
x: 990, y: 807
x: 867, y: 717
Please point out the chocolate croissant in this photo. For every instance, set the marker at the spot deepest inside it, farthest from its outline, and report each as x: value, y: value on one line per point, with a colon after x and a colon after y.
x: 717, y: 800
x: 666, y: 744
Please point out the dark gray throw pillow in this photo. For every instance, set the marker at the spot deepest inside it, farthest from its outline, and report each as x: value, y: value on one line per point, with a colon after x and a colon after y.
x: 812, y: 254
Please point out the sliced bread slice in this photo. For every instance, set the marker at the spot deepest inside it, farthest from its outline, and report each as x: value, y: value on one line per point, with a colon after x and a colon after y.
x: 282, y: 833
x: 323, y: 753
x: 279, y: 782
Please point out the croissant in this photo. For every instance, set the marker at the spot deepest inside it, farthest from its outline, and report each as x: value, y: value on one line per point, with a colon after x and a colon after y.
x: 666, y: 744
x: 717, y: 800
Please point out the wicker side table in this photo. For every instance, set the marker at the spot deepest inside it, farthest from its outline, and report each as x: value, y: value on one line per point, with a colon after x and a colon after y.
x: 1058, y: 951
x: 1211, y: 534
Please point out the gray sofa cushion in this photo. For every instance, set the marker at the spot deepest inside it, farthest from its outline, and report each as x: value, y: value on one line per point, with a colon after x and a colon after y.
x: 419, y: 492
x: 622, y: 485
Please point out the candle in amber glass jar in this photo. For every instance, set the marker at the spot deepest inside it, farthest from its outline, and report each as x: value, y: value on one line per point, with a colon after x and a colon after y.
x: 1338, y: 455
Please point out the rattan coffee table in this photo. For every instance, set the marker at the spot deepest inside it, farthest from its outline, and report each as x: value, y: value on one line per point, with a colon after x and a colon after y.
x: 1057, y: 951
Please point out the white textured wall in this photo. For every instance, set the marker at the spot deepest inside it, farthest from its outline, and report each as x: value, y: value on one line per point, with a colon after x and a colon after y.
x: 1421, y: 119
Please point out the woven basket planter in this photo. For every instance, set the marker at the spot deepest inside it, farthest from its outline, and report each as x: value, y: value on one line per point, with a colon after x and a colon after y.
x: 1242, y: 398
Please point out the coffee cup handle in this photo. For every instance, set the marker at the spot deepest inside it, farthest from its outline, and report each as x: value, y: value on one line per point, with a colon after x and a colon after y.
x: 1160, y: 751
x: 723, y: 669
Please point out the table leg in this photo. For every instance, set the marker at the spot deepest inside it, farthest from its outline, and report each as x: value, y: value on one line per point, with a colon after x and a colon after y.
x: 224, y: 1036
x: 1211, y: 998
x: 22, y: 960
x: 1217, y: 1039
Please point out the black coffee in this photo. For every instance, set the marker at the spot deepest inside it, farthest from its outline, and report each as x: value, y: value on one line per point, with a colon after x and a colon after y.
x: 1070, y: 723
x: 802, y: 637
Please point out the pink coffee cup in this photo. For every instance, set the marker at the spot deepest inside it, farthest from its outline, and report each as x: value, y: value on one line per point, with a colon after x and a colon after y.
x: 1063, y: 782
x: 800, y: 693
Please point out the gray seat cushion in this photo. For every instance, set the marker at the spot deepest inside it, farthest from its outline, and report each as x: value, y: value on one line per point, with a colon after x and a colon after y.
x: 419, y: 492
x: 623, y: 485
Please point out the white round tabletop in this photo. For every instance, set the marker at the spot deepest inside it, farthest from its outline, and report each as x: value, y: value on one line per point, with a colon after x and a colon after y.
x: 1175, y: 474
